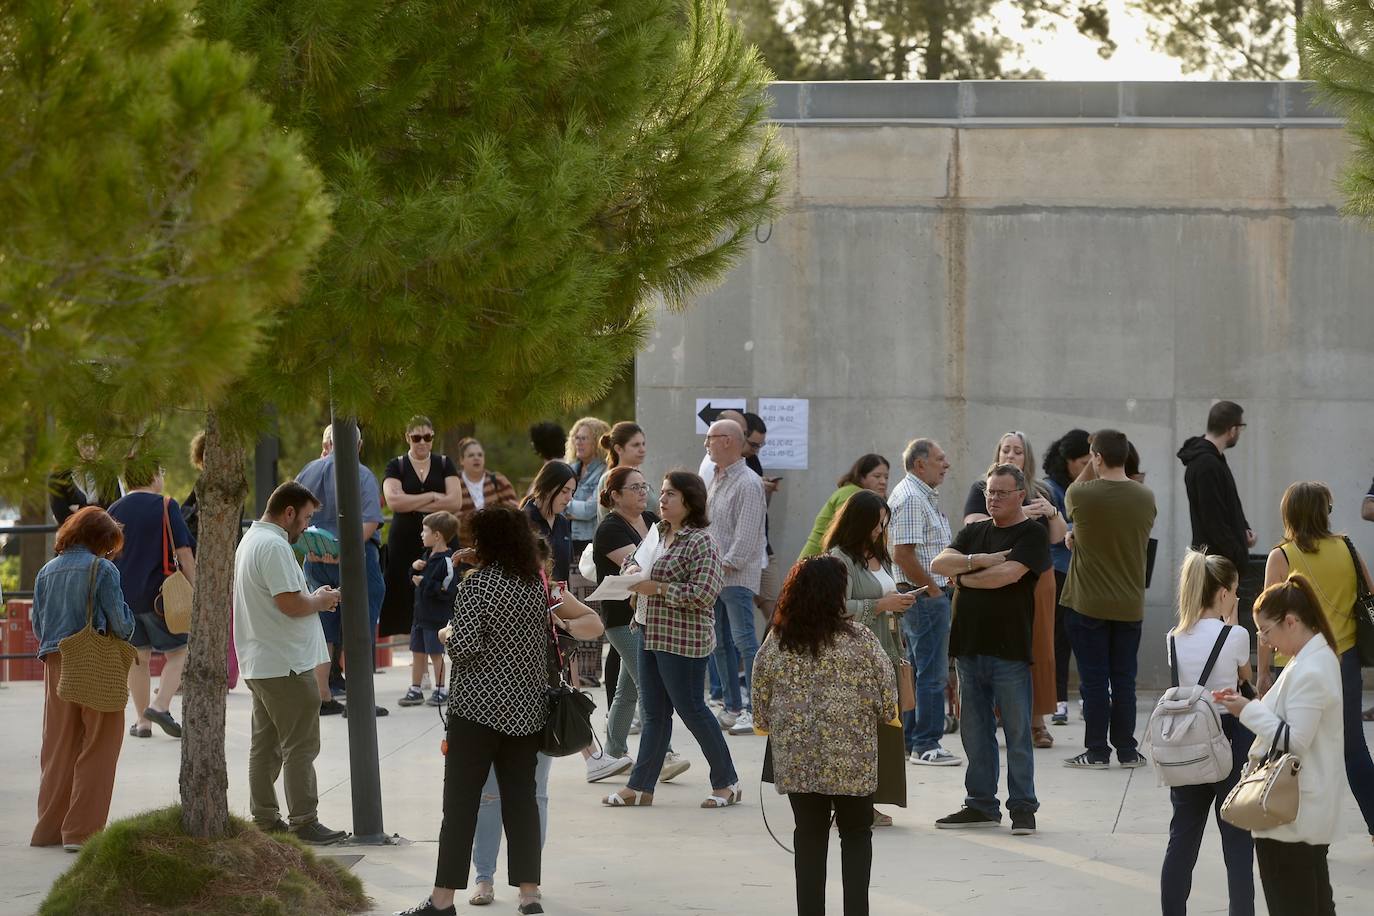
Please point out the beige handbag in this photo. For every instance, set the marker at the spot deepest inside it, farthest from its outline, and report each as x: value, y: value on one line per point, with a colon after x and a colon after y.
x: 95, y: 666
x: 174, y: 596
x: 906, y: 676
x: 1267, y: 794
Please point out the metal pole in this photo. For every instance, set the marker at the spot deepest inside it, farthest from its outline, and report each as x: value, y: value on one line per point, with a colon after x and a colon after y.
x: 364, y: 767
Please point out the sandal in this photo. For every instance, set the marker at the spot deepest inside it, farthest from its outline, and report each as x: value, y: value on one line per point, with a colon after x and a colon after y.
x: 1041, y: 737
x: 483, y: 895
x: 136, y: 732
x: 724, y: 801
x: 633, y: 800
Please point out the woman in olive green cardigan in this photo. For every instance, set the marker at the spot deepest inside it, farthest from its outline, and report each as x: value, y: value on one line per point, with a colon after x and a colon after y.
x: 858, y: 538
x: 868, y: 473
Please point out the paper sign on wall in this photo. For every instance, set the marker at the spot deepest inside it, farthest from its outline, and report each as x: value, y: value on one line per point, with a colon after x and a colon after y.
x: 708, y: 409
x: 787, y: 420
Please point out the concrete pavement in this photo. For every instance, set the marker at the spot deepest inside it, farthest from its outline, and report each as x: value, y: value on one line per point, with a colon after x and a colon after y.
x: 1100, y: 844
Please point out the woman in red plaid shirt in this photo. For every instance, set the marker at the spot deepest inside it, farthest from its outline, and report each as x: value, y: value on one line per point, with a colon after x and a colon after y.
x: 677, y: 614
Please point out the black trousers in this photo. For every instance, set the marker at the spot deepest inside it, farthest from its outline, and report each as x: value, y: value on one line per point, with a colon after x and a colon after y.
x: 811, y: 838
x: 1295, y: 879
x: 472, y: 752
x: 1063, y: 652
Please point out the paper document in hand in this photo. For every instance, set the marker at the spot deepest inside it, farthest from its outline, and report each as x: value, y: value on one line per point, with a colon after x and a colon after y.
x: 616, y: 588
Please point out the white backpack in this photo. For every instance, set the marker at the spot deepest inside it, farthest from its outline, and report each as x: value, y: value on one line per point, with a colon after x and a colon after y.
x: 1184, y: 735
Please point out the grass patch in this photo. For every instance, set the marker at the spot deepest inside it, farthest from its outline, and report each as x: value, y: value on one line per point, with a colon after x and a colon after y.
x: 145, y: 864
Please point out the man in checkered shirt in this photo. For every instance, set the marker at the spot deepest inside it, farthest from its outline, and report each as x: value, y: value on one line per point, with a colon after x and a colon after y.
x: 917, y: 531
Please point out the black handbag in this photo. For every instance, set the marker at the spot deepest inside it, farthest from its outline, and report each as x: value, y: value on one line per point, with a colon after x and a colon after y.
x: 1363, y: 610
x: 568, y: 726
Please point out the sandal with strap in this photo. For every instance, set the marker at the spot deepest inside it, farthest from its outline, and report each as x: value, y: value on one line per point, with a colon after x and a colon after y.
x: 1041, y: 737
x: 483, y: 895
x: 724, y: 801
x: 635, y: 800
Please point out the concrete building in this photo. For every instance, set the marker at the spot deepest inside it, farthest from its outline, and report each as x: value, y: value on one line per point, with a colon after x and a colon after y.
x: 963, y: 259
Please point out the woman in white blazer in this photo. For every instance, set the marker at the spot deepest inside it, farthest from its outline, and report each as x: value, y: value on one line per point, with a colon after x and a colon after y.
x: 1306, y: 697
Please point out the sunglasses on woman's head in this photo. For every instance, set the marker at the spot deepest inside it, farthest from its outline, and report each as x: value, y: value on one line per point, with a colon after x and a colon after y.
x: 422, y: 437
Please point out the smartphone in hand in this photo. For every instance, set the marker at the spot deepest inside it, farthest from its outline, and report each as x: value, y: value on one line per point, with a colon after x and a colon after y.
x: 907, y: 588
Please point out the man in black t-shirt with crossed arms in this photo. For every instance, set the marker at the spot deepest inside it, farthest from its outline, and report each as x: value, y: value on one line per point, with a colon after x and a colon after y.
x: 994, y: 565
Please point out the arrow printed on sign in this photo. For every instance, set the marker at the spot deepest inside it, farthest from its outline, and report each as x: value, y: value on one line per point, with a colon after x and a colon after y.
x: 709, y: 414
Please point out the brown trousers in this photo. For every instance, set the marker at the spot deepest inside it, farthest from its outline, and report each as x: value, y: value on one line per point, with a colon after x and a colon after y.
x: 80, y: 751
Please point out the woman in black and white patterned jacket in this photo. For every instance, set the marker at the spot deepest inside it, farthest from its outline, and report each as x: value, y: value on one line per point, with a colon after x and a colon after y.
x: 497, y: 643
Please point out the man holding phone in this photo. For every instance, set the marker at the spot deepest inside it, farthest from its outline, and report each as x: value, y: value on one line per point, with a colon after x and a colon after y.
x: 917, y: 532
x: 279, y: 642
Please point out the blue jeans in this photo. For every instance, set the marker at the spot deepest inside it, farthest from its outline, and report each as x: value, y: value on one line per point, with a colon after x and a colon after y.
x: 735, y: 631
x: 1359, y: 768
x: 668, y: 682
x: 717, y: 691
x: 1191, y: 806
x: 1106, y: 654
x: 985, y: 682
x: 486, y: 845
x: 926, y: 626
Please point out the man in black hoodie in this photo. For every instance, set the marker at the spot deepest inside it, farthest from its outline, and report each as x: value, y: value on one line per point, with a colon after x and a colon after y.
x: 1219, y: 524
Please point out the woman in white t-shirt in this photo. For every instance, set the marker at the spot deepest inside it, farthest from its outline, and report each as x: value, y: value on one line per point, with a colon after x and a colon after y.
x: 1206, y: 605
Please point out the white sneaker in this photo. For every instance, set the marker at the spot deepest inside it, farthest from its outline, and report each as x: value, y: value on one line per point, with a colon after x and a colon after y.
x: 714, y: 704
x: 744, y: 725
x: 674, y: 765
x: 936, y: 757
x: 601, y: 766
x: 727, y: 719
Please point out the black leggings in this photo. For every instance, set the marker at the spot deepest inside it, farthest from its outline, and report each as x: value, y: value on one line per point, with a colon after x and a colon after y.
x: 473, y: 750
x: 1296, y: 881
x: 854, y: 818
x: 1063, y: 652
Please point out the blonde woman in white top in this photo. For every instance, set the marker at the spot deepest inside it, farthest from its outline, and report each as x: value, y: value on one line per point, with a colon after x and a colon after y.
x: 1307, y: 698
x: 1206, y: 607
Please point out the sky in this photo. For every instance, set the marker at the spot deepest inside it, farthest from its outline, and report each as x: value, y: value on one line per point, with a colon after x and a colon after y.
x: 1064, y: 54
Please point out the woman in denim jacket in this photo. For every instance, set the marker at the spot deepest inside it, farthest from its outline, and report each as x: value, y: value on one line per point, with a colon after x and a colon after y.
x: 80, y: 745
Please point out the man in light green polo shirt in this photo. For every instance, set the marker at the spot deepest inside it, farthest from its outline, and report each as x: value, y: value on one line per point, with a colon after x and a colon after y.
x: 279, y: 642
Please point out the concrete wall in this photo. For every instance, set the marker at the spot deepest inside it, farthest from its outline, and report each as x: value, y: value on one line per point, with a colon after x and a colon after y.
x: 958, y: 260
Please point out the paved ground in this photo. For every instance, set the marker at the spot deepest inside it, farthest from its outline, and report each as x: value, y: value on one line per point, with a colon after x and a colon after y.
x: 1102, y: 834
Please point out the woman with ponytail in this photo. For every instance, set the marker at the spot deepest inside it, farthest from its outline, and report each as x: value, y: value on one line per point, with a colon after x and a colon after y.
x: 1306, y: 703
x: 1206, y: 607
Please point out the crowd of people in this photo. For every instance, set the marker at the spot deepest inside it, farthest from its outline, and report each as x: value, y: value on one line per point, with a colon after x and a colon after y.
x: 973, y: 624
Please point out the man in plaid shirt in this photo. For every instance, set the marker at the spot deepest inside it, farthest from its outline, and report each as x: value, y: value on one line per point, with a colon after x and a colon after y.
x: 737, y: 507
x: 917, y: 532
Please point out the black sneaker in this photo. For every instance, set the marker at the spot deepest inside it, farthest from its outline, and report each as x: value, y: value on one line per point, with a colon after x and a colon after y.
x: 965, y: 818
x: 530, y: 907
x: 1135, y: 759
x: 317, y: 834
x: 1059, y: 718
x: 331, y: 708
x: 1022, y: 823
x: 414, y: 697
x: 427, y: 908
x: 164, y: 721
x: 380, y: 710
x: 277, y: 826
x: 1084, y: 762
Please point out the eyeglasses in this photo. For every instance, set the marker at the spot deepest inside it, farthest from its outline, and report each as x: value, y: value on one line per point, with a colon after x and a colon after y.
x: 422, y: 437
x: 636, y: 488
x: 1263, y: 632
x: 757, y: 444
x: 717, y: 436
x: 998, y: 494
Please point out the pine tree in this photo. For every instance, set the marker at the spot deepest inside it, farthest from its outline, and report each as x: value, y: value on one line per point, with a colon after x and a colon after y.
x: 1338, y: 39
x: 155, y: 221
x: 1228, y: 39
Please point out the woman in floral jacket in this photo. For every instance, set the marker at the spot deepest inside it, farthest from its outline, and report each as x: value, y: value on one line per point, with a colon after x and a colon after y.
x: 821, y: 684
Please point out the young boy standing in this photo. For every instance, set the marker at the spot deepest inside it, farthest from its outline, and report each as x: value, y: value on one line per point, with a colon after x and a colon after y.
x: 436, y: 583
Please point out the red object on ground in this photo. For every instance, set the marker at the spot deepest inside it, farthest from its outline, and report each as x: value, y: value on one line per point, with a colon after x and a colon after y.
x: 383, y: 659
x: 155, y: 664
x: 19, y: 639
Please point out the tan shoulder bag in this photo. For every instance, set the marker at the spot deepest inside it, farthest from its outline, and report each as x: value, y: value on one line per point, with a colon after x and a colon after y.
x: 174, y: 596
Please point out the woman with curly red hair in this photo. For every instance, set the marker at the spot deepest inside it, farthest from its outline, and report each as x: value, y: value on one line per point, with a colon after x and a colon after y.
x: 80, y: 745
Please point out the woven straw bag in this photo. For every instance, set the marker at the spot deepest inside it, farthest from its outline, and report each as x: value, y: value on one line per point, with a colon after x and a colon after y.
x: 95, y: 666
x: 174, y: 596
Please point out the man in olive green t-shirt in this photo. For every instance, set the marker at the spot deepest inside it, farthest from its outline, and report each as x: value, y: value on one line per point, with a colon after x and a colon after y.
x: 1104, y: 595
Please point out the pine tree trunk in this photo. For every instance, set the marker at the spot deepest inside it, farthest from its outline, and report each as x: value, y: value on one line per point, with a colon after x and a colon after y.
x: 935, y: 41
x: 204, y: 778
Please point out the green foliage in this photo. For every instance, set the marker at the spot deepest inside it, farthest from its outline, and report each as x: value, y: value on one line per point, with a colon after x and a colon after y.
x: 154, y: 219
x: 146, y: 863
x: 517, y: 183
x: 1227, y: 39
x: 1338, y: 39
x: 904, y: 39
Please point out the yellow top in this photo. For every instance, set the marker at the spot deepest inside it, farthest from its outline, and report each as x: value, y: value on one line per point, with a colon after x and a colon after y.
x: 1332, y: 574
